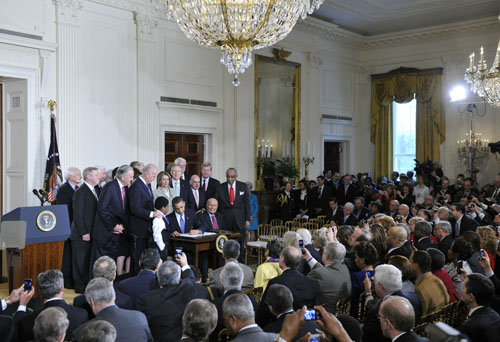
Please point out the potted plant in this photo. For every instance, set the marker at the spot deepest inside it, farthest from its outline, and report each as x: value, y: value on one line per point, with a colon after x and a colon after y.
x: 268, y: 174
x: 287, y: 170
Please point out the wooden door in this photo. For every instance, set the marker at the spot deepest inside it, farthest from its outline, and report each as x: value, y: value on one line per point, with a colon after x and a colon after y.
x: 187, y: 146
x: 332, y: 156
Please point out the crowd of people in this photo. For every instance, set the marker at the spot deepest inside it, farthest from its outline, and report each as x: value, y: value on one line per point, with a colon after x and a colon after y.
x: 398, y: 259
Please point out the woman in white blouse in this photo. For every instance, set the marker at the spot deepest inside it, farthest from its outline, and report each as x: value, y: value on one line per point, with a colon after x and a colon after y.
x: 420, y: 191
x: 163, y: 189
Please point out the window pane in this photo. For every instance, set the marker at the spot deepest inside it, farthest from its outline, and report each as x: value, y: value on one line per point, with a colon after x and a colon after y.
x: 404, y: 138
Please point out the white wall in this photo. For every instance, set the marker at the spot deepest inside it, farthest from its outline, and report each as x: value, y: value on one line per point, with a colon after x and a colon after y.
x: 107, y: 63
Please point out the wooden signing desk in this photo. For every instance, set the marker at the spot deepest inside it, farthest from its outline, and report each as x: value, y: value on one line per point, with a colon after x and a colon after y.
x: 199, y: 244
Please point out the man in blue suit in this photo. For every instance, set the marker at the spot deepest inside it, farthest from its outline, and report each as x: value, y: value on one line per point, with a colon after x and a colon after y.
x: 142, y: 212
x: 112, y: 214
x: 145, y: 281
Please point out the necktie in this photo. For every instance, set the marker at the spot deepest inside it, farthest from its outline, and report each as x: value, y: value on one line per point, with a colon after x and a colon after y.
x: 231, y: 194
x: 214, y: 223
x: 123, y: 197
x: 495, y: 193
x: 166, y: 222
x: 177, y: 188
x: 196, y: 198
x: 76, y: 187
x: 95, y: 193
x: 182, y: 225
x: 346, y: 187
x: 457, y: 230
x: 205, y: 184
x: 149, y: 189
x: 320, y: 191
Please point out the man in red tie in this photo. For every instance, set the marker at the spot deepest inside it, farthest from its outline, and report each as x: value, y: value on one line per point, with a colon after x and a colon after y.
x: 234, y: 205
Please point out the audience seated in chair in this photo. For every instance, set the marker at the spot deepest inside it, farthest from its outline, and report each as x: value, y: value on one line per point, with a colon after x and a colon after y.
x: 198, y: 321
x: 231, y: 253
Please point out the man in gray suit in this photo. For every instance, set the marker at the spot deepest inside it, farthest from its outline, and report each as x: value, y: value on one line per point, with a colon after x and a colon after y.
x: 332, y: 281
x: 231, y: 253
x: 239, y: 318
x: 130, y: 325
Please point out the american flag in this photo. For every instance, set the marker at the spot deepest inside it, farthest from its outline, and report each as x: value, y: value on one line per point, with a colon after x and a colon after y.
x: 53, y: 172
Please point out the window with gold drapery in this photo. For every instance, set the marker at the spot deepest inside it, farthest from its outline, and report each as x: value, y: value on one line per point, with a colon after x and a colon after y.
x: 403, y: 85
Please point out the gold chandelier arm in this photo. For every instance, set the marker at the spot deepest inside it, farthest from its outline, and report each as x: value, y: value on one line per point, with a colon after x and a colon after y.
x: 266, y: 18
x: 223, y: 8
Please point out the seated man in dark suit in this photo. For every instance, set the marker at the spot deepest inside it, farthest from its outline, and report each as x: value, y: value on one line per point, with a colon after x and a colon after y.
x: 145, y: 281
x: 349, y: 219
x: 239, y: 318
x: 335, y: 212
x: 198, y: 321
x: 396, y: 243
x: 130, y: 325
x: 164, y: 307
x: 230, y: 280
x: 360, y: 211
x: 482, y: 324
x: 210, y: 219
x: 50, y: 325
x: 302, y: 287
x: 51, y: 286
x: 184, y: 221
x: 280, y: 302
x: 105, y: 267
x: 397, y: 320
x: 442, y: 231
x: 422, y: 235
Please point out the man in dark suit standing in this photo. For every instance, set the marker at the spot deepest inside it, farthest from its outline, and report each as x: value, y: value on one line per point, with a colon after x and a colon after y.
x: 130, y: 325
x: 51, y: 286
x: 112, y: 214
x: 196, y: 195
x: 396, y: 243
x: 442, y: 231
x: 64, y: 195
x: 463, y: 222
x: 180, y: 186
x: 422, y: 235
x: 164, y: 307
x: 234, y: 205
x: 208, y: 183
x: 320, y: 197
x: 482, y: 324
x: 347, y: 192
x: 142, y: 212
x: 84, y: 210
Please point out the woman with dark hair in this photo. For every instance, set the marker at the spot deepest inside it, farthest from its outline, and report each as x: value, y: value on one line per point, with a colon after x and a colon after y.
x: 270, y: 268
x: 460, y: 250
x: 303, y: 198
x: 437, y: 264
x: 405, y: 196
x: 387, y: 195
x: 366, y: 257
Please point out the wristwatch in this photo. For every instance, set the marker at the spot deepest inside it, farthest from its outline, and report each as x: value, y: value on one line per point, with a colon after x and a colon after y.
x: 278, y: 338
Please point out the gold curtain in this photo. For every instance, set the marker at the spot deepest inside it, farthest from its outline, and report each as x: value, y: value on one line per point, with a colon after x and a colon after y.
x: 402, y: 86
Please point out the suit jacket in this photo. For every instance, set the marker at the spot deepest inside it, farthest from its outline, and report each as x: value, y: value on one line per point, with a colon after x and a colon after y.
x: 141, y: 205
x: 338, y: 217
x: 184, y: 189
x: 467, y: 223
x: 190, y: 221
x: 110, y: 212
x: 482, y: 326
x: 331, y: 282
x: 26, y: 321
x: 461, y: 193
x: 307, y: 326
x: 214, y: 278
x: 142, y: 283
x: 410, y: 336
x: 323, y: 200
x: 302, y: 289
x: 211, y: 187
x: 432, y: 293
x: 234, y: 215
x: 65, y: 196
x: 254, y: 334
x: 165, y: 306
x: 84, y: 211
x: 491, y: 192
x: 351, y: 220
x: 286, y: 206
x: 202, y: 199
x: 402, y: 250
x: 445, y: 244
x: 425, y: 243
x: 6, y: 327
x: 362, y: 214
x: 130, y: 325
x: 122, y: 300
x: 352, y: 192
x: 205, y: 221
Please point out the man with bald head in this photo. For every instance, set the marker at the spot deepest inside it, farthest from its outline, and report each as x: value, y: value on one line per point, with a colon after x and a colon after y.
x: 397, y: 319
x: 196, y: 195
x: 210, y: 219
x: 396, y: 243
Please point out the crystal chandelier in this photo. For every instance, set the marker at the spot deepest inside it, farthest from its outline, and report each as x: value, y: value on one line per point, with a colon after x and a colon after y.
x: 484, y: 82
x: 237, y: 27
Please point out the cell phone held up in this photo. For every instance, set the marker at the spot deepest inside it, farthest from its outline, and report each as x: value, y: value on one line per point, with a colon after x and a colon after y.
x: 301, y: 246
x: 482, y: 254
x: 312, y: 315
x: 28, y: 285
x: 178, y: 251
x: 460, y: 265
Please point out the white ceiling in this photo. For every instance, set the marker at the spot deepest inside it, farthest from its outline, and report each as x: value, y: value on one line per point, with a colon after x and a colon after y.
x: 372, y: 17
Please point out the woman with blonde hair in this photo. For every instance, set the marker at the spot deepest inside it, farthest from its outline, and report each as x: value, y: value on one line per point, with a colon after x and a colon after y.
x: 319, y: 239
x: 488, y: 242
x: 378, y: 239
x: 386, y: 221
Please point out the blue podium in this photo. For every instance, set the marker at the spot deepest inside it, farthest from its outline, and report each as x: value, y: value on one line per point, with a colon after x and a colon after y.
x: 47, y: 227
